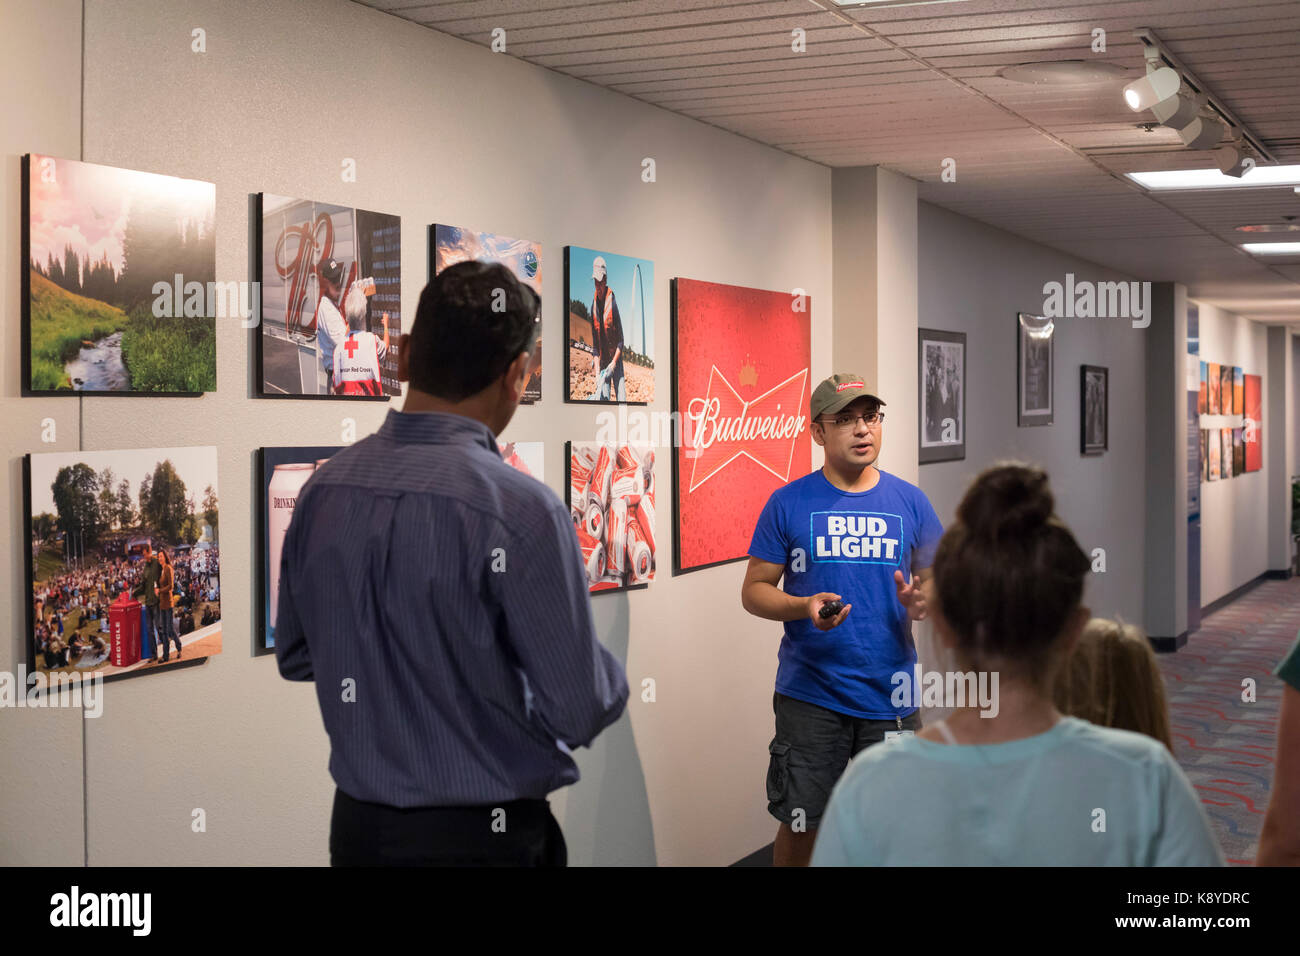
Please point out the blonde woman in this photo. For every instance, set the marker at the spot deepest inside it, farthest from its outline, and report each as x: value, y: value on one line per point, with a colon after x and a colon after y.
x: 1111, y: 679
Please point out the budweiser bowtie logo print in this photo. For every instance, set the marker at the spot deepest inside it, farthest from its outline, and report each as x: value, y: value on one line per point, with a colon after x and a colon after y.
x: 722, y: 426
x: 741, y: 361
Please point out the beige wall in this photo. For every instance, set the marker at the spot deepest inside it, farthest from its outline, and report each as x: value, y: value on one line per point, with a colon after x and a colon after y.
x: 40, y: 750
x: 975, y: 279
x: 441, y: 131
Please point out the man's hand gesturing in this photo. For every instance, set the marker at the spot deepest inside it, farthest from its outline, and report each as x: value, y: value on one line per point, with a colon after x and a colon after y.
x: 911, y: 596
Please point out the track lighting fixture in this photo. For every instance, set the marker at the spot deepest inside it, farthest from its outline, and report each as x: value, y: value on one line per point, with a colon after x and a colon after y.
x: 1159, y: 84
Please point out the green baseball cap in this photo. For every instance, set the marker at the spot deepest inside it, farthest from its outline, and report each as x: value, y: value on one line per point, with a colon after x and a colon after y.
x: 837, y: 392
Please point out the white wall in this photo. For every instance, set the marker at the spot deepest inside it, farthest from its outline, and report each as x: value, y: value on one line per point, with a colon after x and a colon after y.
x: 441, y: 131
x: 1234, y: 511
x: 975, y: 279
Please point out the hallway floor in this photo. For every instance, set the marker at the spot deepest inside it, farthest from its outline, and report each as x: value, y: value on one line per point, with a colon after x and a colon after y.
x: 1225, y: 745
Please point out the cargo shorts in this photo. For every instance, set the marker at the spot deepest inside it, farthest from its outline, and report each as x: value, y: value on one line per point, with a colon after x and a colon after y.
x: 810, y: 751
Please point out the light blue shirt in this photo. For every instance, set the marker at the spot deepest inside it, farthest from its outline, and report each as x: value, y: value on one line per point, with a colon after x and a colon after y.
x: 1076, y: 795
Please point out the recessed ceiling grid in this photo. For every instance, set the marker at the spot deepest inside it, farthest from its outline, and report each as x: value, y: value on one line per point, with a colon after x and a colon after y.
x: 908, y: 86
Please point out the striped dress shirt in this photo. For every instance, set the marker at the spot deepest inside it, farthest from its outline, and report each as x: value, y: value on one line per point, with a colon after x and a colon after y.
x: 438, y: 598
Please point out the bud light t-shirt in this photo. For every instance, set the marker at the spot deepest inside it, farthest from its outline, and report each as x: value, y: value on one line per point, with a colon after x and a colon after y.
x: 848, y: 543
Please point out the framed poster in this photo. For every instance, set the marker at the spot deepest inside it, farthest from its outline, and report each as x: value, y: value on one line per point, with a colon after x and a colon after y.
x: 741, y: 359
x: 118, y: 285
x: 1094, y: 402
x: 1252, y: 424
x: 331, y: 280
x: 611, y: 328
x: 941, y: 383
x: 100, y: 526
x: 1225, y: 456
x: 610, y: 489
x: 283, y: 472
x: 1034, y: 378
x: 1238, y: 392
x: 1215, y: 387
x: 1203, y: 395
x: 449, y: 245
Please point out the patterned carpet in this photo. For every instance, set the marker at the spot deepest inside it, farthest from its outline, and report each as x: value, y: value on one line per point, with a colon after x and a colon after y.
x: 1224, y: 745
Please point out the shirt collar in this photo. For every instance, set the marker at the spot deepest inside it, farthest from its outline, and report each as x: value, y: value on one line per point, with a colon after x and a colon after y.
x: 437, y: 428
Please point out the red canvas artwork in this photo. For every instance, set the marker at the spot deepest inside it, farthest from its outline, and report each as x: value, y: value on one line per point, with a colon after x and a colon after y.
x: 741, y: 395
x: 1252, y: 427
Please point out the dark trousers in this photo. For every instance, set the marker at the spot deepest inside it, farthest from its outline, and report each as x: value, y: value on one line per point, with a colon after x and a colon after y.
x: 149, y: 639
x: 512, y: 833
x: 167, y: 631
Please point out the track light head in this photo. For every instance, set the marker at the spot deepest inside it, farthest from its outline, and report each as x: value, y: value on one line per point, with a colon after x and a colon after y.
x: 1234, y: 160
x: 1159, y: 84
x: 1176, y: 111
x: 1203, y: 132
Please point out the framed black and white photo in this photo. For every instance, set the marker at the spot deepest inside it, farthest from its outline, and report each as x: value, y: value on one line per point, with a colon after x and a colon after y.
x: 1034, y: 370
x: 1094, y: 405
x: 941, y: 382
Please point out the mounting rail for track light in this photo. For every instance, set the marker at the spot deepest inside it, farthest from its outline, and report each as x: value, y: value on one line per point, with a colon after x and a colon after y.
x: 1155, y: 51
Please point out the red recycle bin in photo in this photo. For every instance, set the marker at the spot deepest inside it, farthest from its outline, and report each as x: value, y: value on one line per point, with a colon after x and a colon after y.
x: 124, y: 629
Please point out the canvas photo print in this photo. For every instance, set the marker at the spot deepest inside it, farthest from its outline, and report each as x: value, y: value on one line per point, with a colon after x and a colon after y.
x: 331, y: 316
x: 1225, y: 456
x: 611, y: 327
x: 1214, y: 451
x: 611, y: 496
x: 1253, y: 427
x: 1215, y: 387
x: 526, y: 456
x: 284, y: 471
x: 449, y: 245
x: 1238, y: 392
x: 741, y: 362
x: 942, y: 381
x: 124, y: 561
x: 1225, y: 390
x: 118, y: 289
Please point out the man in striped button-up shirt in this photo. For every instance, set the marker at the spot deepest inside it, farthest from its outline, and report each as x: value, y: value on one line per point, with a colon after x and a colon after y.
x: 438, y: 599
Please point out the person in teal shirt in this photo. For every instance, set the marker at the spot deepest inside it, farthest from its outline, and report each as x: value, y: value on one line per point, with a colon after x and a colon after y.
x: 1014, y: 782
x: 1279, y: 839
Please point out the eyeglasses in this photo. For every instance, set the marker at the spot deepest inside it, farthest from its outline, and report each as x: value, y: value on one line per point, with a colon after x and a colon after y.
x: 849, y: 421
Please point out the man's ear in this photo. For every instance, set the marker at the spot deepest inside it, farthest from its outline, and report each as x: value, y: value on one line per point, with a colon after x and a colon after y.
x: 516, y: 377
x: 818, y: 433
x: 404, y: 358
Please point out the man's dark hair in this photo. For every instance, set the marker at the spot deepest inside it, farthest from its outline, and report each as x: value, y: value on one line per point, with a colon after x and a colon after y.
x: 458, y: 344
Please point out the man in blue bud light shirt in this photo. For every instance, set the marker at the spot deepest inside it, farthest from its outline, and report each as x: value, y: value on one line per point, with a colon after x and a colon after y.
x: 848, y: 532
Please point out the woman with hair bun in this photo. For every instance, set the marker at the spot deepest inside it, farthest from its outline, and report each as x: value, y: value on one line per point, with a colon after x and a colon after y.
x: 1018, y: 784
